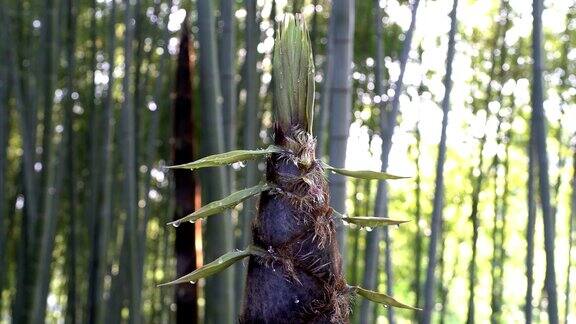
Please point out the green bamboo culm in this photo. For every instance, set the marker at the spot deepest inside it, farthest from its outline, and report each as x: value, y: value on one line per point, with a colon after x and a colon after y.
x: 294, y: 70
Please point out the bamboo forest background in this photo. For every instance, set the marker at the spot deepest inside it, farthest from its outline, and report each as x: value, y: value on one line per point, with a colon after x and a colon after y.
x: 98, y: 96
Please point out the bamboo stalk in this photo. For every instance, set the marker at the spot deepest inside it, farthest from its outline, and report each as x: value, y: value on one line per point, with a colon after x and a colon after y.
x: 71, y: 258
x: 219, y: 289
x: 438, y: 203
x: 23, y: 277
x: 4, y: 133
x: 128, y: 141
x: 343, y: 13
x: 571, y: 237
x: 185, y: 183
x: 151, y: 148
x: 97, y: 262
x: 54, y: 181
x: 387, y: 123
x: 539, y: 129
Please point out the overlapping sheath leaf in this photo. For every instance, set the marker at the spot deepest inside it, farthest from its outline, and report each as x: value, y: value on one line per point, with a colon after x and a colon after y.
x: 380, y: 298
x: 293, y: 67
x: 227, y: 158
x: 217, y: 265
x: 363, y: 174
x: 218, y: 206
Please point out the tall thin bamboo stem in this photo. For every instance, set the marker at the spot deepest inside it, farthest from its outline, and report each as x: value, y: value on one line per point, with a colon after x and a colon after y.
x: 571, y: 238
x: 185, y: 182
x: 128, y: 142
x: 530, y: 230
x: 4, y: 132
x: 219, y: 289
x: 343, y: 13
x: 251, y: 128
x: 151, y: 147
x: 227, y: 74
x: 97, y: 261
x: 54, y: 181
x: 23, y: 277
x: 438, y: 203
x: 71, y: 259
x: 387, y: 124
x: 539, y: 129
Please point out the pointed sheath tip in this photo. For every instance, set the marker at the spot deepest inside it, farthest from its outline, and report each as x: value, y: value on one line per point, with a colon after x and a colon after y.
x: 171, y: 283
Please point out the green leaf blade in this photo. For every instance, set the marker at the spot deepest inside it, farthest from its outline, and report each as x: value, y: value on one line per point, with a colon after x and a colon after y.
x: 227, y: 158
x: 363, y: 174
x: 365, y: 221
x: 381, y: 298
x: 212, y: 268
x: 219, y: 206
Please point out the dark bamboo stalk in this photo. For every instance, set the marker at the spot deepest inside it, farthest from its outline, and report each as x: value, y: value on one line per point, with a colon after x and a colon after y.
x: 48, y: 77
x: 128, y: 142
x: 185, y: 184
x: 92, y: 134
x: 530, y: 230
x: 23, y: 278
x: 54, y: 181
x: 4, y: 134
x: 97, y: 261
x: 539, y: 129
x: 71, y: 259
x: 151, y: 147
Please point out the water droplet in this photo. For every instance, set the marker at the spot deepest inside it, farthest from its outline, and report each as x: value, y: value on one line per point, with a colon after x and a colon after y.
x: 191, y: 221
x: 296, y: 301
x: 176, y: 224
x: 238, y: 165
x: 368, y: 229
x: 192, y: 282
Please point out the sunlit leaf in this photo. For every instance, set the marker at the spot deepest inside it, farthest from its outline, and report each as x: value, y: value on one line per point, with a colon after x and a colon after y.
x: 363, y: 174
x: 219, y: 206
x: 366, y: 221
x: 216, y: 266
x: 380, y: 298
x: 227, y: 158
